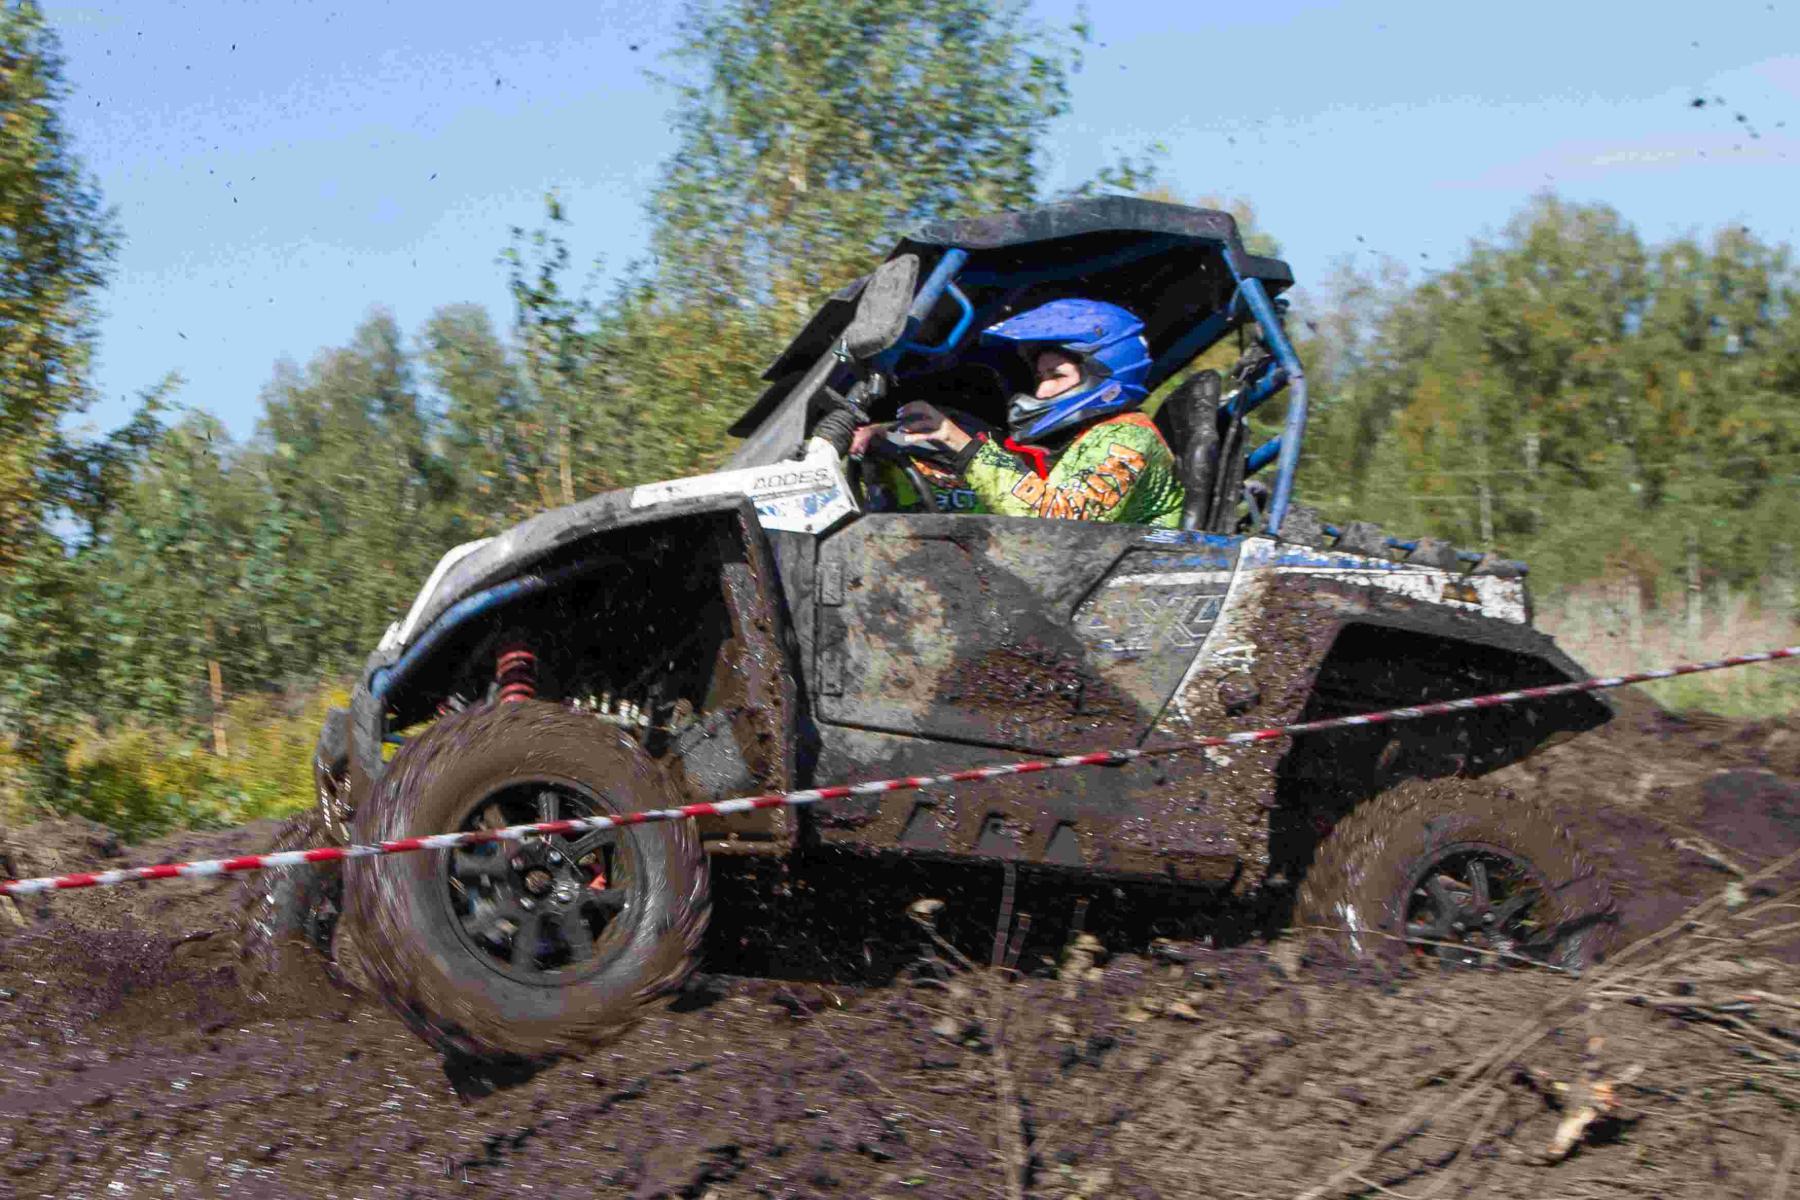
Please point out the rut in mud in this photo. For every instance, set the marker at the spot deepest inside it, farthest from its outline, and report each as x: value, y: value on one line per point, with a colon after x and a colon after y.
x: 838, y: 1049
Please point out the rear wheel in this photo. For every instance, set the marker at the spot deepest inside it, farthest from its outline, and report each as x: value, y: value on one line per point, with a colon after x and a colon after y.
x: 1461, y: 872
x: 534, y: 948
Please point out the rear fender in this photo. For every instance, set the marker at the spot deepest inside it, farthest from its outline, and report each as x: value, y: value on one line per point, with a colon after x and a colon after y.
x: 1295, y: 629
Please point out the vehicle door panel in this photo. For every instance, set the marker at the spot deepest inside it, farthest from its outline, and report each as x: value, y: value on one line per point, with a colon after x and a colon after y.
x: 1031, y: 634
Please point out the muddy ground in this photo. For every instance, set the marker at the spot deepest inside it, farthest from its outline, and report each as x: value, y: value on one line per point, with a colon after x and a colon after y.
x: 837, y: 1049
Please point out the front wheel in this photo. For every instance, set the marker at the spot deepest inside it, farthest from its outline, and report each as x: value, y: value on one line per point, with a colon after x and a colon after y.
x: 524, y: 949
x: 285, y: 914
x: 1462, y: 872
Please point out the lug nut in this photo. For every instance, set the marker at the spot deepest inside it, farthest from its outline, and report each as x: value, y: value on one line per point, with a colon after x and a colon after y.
x: 555, y: 858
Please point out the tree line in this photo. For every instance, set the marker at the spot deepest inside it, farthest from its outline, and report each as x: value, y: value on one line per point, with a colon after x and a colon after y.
x: 1567, y: 392
x: 1592, y: 402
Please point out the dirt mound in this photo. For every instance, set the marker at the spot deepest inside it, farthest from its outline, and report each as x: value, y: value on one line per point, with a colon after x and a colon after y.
x: 1673, y: 807
x: 851, y: 1053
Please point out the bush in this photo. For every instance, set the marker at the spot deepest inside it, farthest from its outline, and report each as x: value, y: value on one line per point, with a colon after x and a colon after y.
x: 143, y: 781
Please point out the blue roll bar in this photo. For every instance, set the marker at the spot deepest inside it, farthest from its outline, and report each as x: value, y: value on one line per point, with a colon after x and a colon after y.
x: 1263, y: 455
x: 955, y: 336
x: 1251, y: 290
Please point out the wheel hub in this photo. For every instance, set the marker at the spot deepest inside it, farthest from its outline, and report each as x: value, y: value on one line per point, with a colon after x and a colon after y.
x: 1475, y: 903
x: 541, y: 911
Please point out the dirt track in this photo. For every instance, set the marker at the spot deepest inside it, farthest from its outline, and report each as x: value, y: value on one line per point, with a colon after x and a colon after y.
x: 844, y: 1054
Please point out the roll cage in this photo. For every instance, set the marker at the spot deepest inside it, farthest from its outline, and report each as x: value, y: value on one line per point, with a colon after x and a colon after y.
x: 1184, y: 271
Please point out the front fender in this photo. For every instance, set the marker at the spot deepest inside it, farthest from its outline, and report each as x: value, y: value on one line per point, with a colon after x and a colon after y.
x: 674, y: 610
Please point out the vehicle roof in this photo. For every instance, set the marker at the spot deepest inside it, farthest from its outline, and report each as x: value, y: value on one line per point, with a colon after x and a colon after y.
x: 1168, y: 263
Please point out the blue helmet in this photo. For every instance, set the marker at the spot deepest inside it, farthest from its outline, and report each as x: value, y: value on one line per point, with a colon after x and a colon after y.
x: 1105, y: 339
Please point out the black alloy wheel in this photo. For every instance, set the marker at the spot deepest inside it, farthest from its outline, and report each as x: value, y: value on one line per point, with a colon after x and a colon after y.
x: 534, y: 948
x: 546, y: 910
x: 1461, y: 871
x: 1474, y: 903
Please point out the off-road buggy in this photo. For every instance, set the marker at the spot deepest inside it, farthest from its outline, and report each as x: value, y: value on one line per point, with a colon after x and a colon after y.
x: 762, y: 628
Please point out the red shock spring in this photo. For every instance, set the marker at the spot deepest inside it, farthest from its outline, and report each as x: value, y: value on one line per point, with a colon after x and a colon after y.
x: 516, y: 673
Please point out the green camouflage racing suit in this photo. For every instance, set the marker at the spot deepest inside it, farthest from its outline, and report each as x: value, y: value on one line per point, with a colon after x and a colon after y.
x: 1119, y: 469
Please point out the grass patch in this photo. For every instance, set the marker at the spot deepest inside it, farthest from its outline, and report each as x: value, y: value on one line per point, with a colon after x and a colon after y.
x: 1610, y: 631
x: 14, y: 772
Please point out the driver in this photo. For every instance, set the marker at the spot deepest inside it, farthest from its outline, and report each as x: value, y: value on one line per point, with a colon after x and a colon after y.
x: 1078, y: 447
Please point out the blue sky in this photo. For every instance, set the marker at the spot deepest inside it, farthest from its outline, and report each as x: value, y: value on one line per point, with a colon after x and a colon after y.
x: 280, y: 169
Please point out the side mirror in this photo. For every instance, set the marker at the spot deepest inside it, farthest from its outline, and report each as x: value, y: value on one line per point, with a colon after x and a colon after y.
x: 881, y: 310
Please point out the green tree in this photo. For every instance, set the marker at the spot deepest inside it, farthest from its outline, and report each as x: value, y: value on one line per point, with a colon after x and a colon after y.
x: 1577, y: 398
x: 495, y: 437
x: 55, y: 246
x: 88, y: 475
x: 811, y: 134
x: 586, y: 431
x: 166, y: 579
x: 358, y: 498
x: 53, y: 257
x: 813, y: 131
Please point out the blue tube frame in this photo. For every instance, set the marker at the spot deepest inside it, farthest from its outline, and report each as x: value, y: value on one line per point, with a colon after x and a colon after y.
x: 1251, y: 290
x: 935, y: 283
x: 1263, y: 388
x: 956, y: 335
x: 940, y: 278
x: 1263, y: 455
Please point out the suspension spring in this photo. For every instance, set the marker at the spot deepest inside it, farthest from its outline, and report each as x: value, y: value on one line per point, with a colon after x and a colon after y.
x: 516, y: 673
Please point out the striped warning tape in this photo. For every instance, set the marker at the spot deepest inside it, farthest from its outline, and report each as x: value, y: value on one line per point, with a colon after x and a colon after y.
x: 721, y: 808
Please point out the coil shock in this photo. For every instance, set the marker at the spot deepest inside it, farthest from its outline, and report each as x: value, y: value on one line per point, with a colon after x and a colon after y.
x: 516, y: 673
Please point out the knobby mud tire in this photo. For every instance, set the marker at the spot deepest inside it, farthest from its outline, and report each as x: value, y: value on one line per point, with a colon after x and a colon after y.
x: 287, y: 914
x: 1361, y: 878
x: 397, y: 914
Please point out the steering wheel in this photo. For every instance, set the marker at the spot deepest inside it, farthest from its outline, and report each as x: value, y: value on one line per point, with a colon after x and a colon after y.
x: 880, y: 449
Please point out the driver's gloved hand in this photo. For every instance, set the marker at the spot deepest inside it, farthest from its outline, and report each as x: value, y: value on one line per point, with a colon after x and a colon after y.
x: 837, y: 428
x: 921, y: 429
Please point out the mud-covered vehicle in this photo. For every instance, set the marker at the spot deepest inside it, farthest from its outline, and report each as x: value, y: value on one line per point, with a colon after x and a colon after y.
x: 763, y: 628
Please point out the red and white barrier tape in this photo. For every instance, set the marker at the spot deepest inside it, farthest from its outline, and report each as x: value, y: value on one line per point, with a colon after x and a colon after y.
x: 721, y: 808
